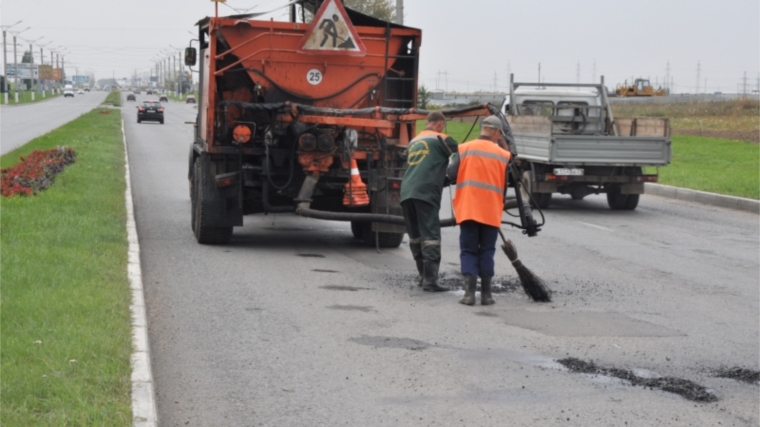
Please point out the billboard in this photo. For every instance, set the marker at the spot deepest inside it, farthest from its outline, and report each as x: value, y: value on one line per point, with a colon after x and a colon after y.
x: 45, y: 72
x: 57, y: 74
x: 80, y: 79
x: 25, y: 71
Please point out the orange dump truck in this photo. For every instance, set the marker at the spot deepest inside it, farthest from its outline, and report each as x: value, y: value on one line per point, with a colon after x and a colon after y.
x: 304, y: 117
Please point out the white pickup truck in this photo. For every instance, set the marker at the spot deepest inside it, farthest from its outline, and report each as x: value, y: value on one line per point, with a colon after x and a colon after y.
x: 569, y: 143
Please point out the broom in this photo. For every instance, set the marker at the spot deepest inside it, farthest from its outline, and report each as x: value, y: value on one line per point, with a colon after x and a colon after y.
x: 532, y: 284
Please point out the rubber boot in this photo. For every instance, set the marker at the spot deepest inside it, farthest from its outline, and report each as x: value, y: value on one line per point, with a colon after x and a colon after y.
x: 485, y: 291
x: 430, y: 278
x: 420, y: 270
x: 470, y: 285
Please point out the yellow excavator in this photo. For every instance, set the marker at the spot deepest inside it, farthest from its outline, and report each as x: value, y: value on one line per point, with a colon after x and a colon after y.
x: 640, y: 87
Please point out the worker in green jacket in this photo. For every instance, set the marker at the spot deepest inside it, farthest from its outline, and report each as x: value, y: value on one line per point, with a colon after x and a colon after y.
x: 427, y: 159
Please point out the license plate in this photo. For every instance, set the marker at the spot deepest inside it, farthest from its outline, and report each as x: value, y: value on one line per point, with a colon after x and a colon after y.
x: 568, y: 172
x: 150, y: 110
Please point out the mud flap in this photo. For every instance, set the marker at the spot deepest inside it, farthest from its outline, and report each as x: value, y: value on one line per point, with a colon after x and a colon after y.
x: 220, y: 206
x: 387, y: 201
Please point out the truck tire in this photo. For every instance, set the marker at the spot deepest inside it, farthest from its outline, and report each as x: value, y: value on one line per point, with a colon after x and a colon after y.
x: 384, y: 240
x: 205, y: 235
x: 621, y: 202
x: 542, y: 200
x: 357, y: 229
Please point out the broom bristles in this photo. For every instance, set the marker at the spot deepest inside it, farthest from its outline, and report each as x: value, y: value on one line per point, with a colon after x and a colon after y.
x: 532, y: 284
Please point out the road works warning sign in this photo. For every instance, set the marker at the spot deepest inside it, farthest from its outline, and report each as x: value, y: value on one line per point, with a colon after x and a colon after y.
x: 331, y: 33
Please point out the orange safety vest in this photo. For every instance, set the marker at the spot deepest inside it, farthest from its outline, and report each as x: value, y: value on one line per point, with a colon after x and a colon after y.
x: 481, y: 182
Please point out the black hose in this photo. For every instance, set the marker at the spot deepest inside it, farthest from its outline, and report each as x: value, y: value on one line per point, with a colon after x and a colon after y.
x: 306, y: 211
x: 269, y: 174
x: 268, y: 208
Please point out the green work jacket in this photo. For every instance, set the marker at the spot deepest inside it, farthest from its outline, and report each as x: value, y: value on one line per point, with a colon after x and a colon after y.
x: 427, y: 160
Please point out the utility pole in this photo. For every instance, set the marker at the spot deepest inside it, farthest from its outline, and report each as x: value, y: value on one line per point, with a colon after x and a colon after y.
x: 744, y: 84
x: 667, y: 77
x: 578, y: 73
x: 539, y: 75
x: 400, y: 12
x: 699, y: 66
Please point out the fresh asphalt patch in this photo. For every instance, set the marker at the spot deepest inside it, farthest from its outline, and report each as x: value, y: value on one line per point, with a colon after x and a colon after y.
x: 454, y: 281
x: 685, y: 388
x: 739, y: 374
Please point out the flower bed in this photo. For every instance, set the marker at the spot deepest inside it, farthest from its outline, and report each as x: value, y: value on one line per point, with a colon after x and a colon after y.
x: 35, y: 172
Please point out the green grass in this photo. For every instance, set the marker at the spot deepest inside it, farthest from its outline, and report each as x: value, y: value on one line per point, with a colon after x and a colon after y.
x: 715, y: 165
x: 25, y: 97
x: 66, y: 334
x: 113, y: 98
x: 181, y: 98
x: 455, y: 129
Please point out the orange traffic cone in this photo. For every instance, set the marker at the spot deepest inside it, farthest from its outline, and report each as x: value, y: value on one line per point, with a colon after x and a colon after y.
x: 355, y: 193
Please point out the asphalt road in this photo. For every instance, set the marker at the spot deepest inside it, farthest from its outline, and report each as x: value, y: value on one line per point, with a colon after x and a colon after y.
x: 296, y: 324
x: 22, y: 123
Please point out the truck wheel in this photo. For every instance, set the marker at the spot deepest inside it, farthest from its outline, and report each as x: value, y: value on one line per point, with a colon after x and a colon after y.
x: 384, y: 240
x: 621, y: 202
x: 542, y: 200
x: 356, y: 229
x: 632, y: 202
x: 205, y: 235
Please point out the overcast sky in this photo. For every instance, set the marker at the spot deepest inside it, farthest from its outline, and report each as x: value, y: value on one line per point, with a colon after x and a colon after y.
x: 472, y: 41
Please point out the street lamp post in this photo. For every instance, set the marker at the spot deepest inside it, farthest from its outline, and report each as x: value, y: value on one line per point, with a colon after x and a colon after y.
x: 5, y: 62
x: 42, y: 62
x: 31, y: 69
x: 15, y: 63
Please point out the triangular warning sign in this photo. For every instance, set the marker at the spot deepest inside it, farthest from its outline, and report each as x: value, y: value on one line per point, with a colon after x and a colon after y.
x: 331, y: 33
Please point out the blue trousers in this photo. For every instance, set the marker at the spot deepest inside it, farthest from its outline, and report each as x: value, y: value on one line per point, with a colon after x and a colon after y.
x: 477, y: 246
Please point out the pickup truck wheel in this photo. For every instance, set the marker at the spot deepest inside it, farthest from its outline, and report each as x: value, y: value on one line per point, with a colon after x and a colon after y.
x: 542, y: 200
x: 621, y: 202
x: 205, y: 235
x: 384, y: 240
x: 632, y: 202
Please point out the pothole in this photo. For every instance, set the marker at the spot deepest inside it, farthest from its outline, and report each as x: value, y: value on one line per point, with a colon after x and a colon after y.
x: 362, y: 308
x: 391, y: 342
x: 344, y: 288
x: 455, y: 281
x: 311, y: 255
x: 739, y: 374
x: 685, y: 388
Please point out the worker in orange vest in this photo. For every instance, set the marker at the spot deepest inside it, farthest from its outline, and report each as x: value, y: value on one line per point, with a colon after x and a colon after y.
x: 480, y: 172
x: 427, y: 158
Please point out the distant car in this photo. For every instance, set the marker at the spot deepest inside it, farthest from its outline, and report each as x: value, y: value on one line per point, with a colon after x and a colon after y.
x: 86, y: 89
x: 150, y: 111
x: 68, y: 92
x: 163, y: 98
x: 137, y: 91
x: 80, y: 92
x: 131, y: 97
x: 149, y: 92
x: 190, y: 99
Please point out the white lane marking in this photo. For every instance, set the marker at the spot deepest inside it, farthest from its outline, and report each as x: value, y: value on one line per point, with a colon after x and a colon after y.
x: 144, y: 411
x: 595, y: 226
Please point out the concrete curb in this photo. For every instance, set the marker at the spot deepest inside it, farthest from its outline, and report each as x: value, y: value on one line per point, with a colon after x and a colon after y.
x: 703, y: 197
x: 144, y: 412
